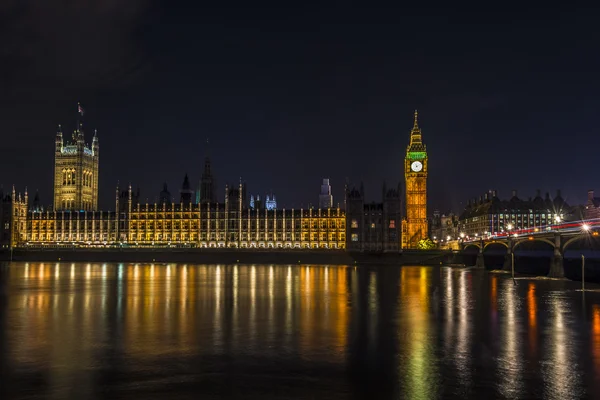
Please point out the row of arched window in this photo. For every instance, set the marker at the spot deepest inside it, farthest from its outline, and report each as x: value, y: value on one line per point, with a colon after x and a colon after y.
x: 68, y: 204
x: 69, y: 178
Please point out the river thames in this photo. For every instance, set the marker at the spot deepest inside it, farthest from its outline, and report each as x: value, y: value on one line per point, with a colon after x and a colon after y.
x: 99, y: 331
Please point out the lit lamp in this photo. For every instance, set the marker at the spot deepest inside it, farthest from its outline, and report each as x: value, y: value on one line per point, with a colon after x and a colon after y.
x: 585, y: 227
x: 509, y: 228
x: 557, y: 220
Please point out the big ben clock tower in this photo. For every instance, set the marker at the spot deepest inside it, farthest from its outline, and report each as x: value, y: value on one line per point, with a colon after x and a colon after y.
x: 414, y: 225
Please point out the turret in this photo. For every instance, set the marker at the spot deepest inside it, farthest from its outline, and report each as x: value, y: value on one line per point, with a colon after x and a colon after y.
x: 59, y: 139
x: 36, y: 201
x: 95, y: 144
x: 165, y: 195
x: 78, y: 135
x: 186, y: 192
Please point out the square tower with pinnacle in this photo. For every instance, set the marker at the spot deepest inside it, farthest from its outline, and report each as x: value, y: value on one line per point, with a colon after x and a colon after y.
x: 76, y: 170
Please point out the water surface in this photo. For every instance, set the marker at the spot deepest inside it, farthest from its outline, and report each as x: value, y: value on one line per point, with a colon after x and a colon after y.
x: 96, y: 331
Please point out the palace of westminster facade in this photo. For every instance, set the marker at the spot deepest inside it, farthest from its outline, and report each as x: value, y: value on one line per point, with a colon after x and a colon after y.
x: 202, y: 221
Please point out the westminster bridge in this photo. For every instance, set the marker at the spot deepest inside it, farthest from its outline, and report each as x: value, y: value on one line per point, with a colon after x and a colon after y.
x: 574, y: 238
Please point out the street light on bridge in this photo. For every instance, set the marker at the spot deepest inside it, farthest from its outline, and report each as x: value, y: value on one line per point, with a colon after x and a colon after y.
x: 585, y: 227
x: 509, y: 228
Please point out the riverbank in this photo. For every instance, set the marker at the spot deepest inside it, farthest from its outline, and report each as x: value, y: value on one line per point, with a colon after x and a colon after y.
x: 231, y: 256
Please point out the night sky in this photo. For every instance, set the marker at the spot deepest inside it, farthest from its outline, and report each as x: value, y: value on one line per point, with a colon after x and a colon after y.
x: 288, y: 96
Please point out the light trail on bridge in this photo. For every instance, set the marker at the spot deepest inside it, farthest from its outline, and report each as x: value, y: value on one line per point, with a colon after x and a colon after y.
x: 570, y: 226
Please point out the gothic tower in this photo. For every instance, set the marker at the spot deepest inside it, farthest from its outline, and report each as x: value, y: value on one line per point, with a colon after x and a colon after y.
x: 207, y: 185
x: 414, y: 226
x: 186, y: 192
x: 76, y: 170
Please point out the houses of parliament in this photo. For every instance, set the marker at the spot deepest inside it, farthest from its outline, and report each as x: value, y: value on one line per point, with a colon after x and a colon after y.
x: 201, y: 220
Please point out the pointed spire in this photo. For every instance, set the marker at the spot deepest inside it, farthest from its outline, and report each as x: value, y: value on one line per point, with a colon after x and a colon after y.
x: 416, y: 123
x: 79, y: 129
x: 59, y: 130
x: 416, y: 143
x: 186, y: 182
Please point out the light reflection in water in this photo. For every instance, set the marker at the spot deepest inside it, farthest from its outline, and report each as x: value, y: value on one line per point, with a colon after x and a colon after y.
x: 69, y: 321
x: 373, y: 311
x: 510, y: 367
x: 449, y: 308
x: 218, y: 327
x: 532, y: 318
x: 416, y: 337
x: 596, y: 337
x: 560, y: 369
x: 253, y: 303
x: 463, y: 358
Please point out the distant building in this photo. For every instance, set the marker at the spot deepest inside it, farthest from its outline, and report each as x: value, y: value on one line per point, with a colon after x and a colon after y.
x: 13, y: 218
x: 489, y: 215
x: 444, y: 226
x: 271, y: 202
x: 165, y: 195
x: 186, y: 191
x: 592, y: 207
x: 256, y: 203
x: 206, y: 192
x: 375, y: 226
x: 325, y: 198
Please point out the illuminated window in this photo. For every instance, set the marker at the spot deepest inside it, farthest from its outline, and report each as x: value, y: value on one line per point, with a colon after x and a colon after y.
x: 372, y: 225
x: 355, y: 237
x: 392, y: 224
x: 354, y: 223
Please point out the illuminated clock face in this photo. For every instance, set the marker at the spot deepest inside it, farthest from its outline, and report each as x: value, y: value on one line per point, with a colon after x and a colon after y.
x: 416, y: 166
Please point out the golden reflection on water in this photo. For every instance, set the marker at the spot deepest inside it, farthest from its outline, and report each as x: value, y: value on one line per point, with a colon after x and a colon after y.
x: 463, y: 358
x: 596, y: 337
x: 166, y: 307
x: 68, y: 315
x: 417, y: 338
x: 532, y: 318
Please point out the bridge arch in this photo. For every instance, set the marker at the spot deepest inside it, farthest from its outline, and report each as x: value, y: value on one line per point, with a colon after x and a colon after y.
x: 591, y: 241
x: 494, y: 243
x: 539, y: 240
x: 472, y: 244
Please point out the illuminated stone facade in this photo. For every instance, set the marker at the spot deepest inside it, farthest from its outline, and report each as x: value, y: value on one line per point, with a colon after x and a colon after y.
x: 76, y: 171
x: 414, y: 226
x: 208, y: 225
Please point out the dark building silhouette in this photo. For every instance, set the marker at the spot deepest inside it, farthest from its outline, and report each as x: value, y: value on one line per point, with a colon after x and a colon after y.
x: 373, y: 226
x: 207, y: 193
x: 165, y: 195
x: 592, y: 206
x: 186, y: 191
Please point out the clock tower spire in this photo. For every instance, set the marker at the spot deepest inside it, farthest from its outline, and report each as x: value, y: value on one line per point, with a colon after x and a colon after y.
x: 414, y: 225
